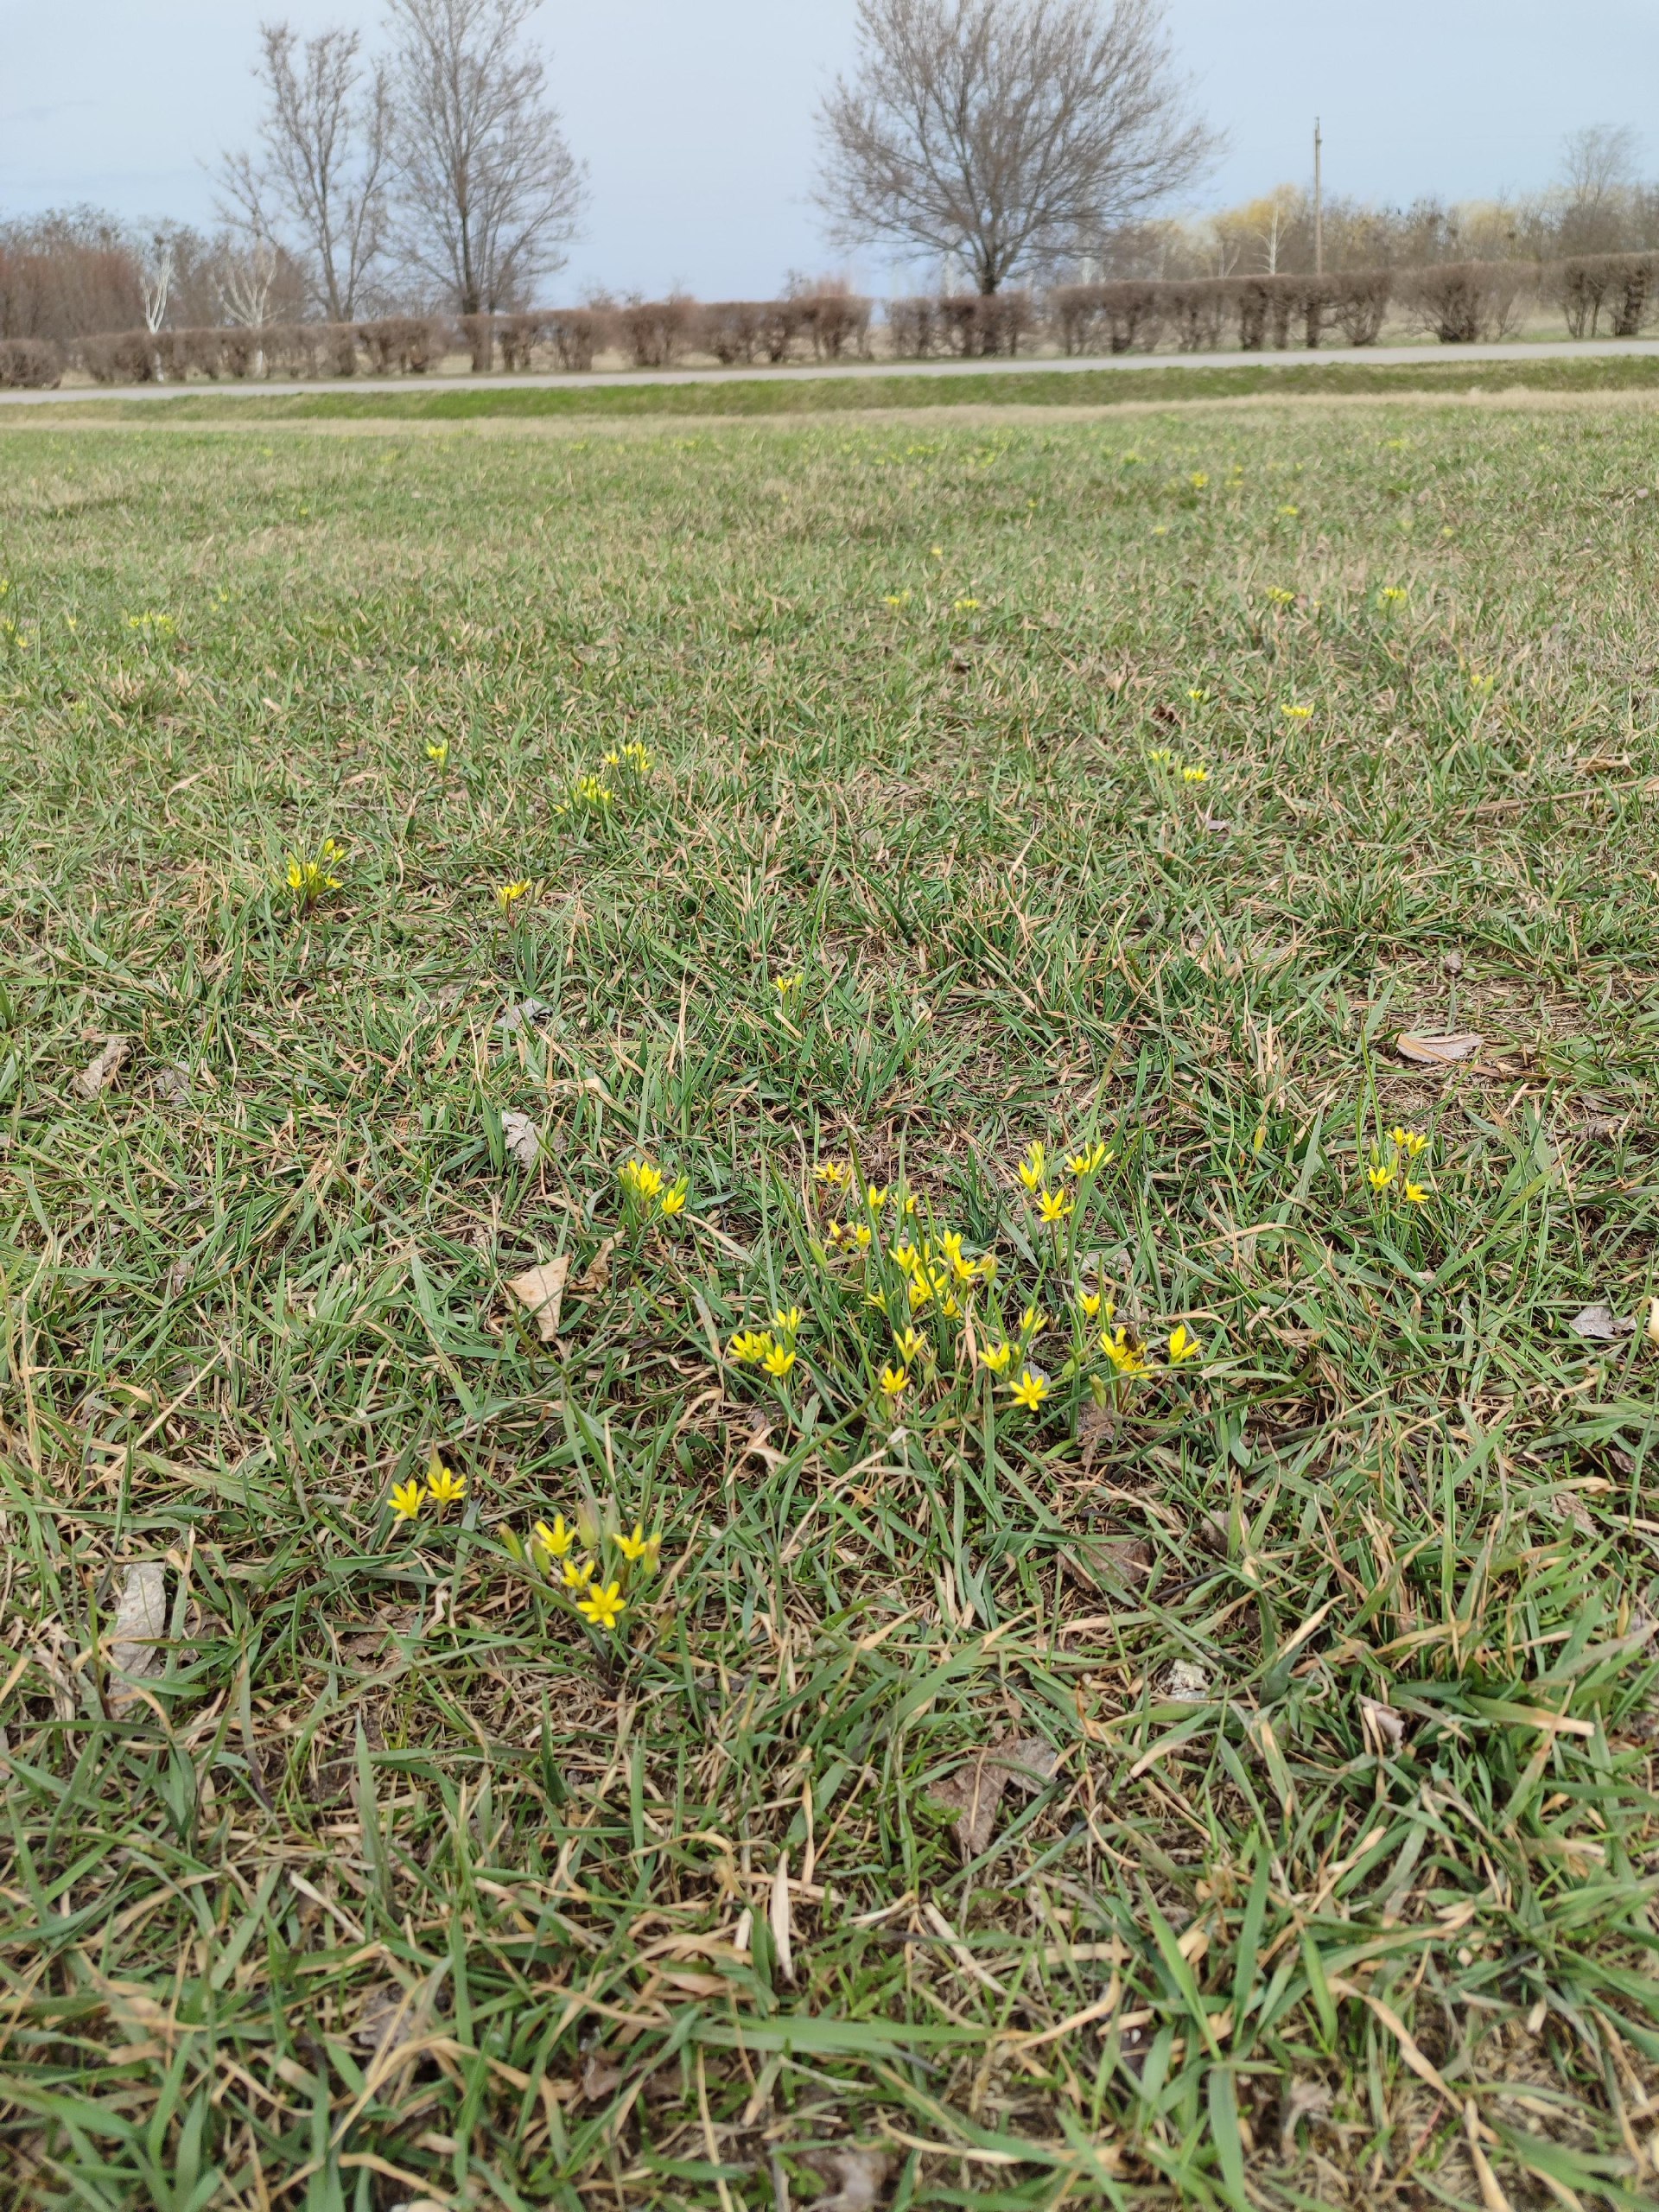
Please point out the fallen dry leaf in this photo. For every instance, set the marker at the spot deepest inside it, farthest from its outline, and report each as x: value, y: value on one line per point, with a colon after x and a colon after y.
x: 974, y: 1792
x: 1095, y: 1424
x: 599, y: 2077
x: 778, y: 1917
x: 99, y: 1074
x: 520, y: 1135
x: 1302, y: 2101
x: 1107, y: 1562
x: 140, y: 1619
x: 1385, y: 1729
x: 597, y: 1273
x: 51, y: 1654
x: 1601, y: 1325
x: 528, y: 1013
x: 541, y: 1289
x: 173, y: 1085
x: 858, y: 2175
x: 1217, y: 826
x: 1437, y: 1051
x: 386, y: 2020
x: 1186, y: 1684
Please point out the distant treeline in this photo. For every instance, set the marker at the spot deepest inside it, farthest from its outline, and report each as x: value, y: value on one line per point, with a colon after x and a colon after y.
x: 1458, y: 303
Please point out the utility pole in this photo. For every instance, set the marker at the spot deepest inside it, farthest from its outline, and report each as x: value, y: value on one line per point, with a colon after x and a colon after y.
x: 1318, y: 204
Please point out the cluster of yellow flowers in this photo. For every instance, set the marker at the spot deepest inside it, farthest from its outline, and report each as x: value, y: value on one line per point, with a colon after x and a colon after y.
x: 633, y: 757
x: 1053, y: 1206
x: 308, y: 880
x: 774, y: 1353
x: 939, y: 1301
x: 1191, y: 771
x: 438, y: 753
x: 569, y: 1558
x: 1404, y: 1146
x: 507, y: 895
x: 647, y: 1193
x: 441, y: 1487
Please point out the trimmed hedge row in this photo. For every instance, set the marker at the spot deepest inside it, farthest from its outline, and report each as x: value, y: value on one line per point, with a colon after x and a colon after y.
x: 30, y: 364
x: 1457, y: 302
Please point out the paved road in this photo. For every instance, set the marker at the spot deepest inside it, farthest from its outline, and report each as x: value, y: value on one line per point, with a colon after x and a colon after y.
x: 1564, y: 349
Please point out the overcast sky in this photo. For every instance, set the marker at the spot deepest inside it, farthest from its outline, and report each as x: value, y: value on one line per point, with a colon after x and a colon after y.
x: 695, y: 116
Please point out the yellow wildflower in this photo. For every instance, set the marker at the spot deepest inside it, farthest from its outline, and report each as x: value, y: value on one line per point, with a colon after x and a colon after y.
x: 895, y: 1381
x: 909, y: 1343
x: 603, y: 1604
x: 578, y: 1574
x: 1417, y: 1194
x: 634, y: 1547
x: 1125, y: 1356
x: 751, y: 1345
x: 1032, y: 1323
x: 1088, y: 1304
x: 835, y: 1172
x: 407, y: 1499
x: 507, y: 895
x: 674, y: 1198
x: 1195, y: 775
x: 640, y: 1178
x: 996, y: 1358
x: 1379, y: 1177
x: 557, y: 1540
x: 785, y: 985
x: 863, y: 1237
x: 1183, y: 1344
x: 1160, y: 756
x: 1091, y: 1160
x: 779, y: 1361
x: 876, y: 1196
x: 1053, y: 1205
x: 1031, y: 1389
x: 1296, y: 712
x: 442, y: 1486
x: 438, y: 754
x: 1031, y: 1167
x: 967, y: 606
x: 1198, y: 478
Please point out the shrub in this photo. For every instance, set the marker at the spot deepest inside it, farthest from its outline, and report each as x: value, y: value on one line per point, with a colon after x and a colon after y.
x: 913, y: 330
x: 654, y: 331
x: 30, y: 364
x: 1622, y: 284
x: 982, y: 324
x: 1195, y: 309
x: 292, y: 349
x: 836, y: 323
x: 477, y: 336
x: 240, y: 351
x: 780, y: 325
x: 577, y: 333
x: 729, y: 329
x: 119, y: 357
x: 337, y: 344
x: 1462, y: 301
x: 517, y: 334
x: 1359, y: 301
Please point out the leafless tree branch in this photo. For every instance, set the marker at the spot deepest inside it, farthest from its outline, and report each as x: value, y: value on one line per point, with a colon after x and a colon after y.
x: 1012, y: 132
x: 488, y: 191
x: 320, y: 176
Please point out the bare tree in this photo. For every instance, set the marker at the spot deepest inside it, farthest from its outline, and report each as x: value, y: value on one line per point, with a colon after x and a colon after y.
x: 157, y: 259
x: 1010, y: 131
x: 488, y: 191
x: 1593, y: 200
x: 319, y: 180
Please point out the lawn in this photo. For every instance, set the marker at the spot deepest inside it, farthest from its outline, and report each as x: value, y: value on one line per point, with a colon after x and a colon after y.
x: 816, y: 1008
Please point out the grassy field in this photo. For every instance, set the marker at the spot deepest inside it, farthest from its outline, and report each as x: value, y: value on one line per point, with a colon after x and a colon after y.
x: 1134, y: 1679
